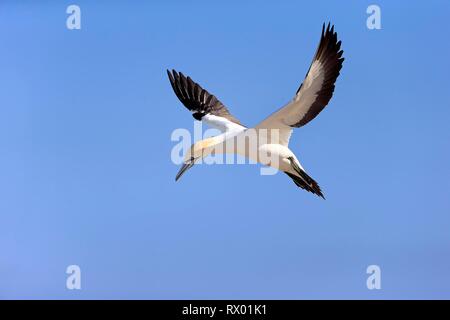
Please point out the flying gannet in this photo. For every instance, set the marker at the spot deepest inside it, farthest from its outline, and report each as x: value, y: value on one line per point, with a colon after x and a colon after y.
x: 310, y: 99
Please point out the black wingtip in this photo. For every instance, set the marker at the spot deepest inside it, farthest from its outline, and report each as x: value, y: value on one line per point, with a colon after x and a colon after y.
x: 172, y: 72
x: 328, y: 30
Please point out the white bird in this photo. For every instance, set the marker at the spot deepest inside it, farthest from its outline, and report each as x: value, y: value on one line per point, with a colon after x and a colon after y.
x: 311, y: 98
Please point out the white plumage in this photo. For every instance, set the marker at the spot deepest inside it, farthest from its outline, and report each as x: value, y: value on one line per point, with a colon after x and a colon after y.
x: 270, y: 137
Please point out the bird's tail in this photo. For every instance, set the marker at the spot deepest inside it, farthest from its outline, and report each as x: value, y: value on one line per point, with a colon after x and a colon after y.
x: 303, y: 180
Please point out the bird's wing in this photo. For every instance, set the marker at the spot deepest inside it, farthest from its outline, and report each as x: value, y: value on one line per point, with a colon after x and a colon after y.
x: 314, y: 93
x: 203, y: 105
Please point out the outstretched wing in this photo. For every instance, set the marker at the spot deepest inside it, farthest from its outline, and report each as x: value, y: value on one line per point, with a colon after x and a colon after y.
x: 316, y: 90
x: 203, y: 105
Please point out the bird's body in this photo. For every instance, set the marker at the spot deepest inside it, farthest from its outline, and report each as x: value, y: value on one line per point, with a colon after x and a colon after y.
x: 267, y: 143
x: 251, y: 146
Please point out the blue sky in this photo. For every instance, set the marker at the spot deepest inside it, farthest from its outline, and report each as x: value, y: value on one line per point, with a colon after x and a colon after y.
x: 86, y: 176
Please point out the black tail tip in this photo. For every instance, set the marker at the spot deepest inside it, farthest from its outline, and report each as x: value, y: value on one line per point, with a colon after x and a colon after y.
x: 307, y: 183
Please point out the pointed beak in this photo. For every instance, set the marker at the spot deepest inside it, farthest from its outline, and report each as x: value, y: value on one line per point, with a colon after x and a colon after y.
x: 183, y: 169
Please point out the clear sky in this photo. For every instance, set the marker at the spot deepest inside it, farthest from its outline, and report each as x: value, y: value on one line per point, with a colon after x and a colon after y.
x: 86, y: 176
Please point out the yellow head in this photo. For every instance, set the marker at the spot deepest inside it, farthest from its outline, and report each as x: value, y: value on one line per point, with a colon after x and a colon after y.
x: 198, y: 150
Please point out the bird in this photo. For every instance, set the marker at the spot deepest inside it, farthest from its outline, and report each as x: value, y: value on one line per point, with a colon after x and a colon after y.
x: 313, y: 94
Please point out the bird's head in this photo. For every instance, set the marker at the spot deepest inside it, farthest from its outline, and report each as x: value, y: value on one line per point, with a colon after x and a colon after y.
x: 197, y: 151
